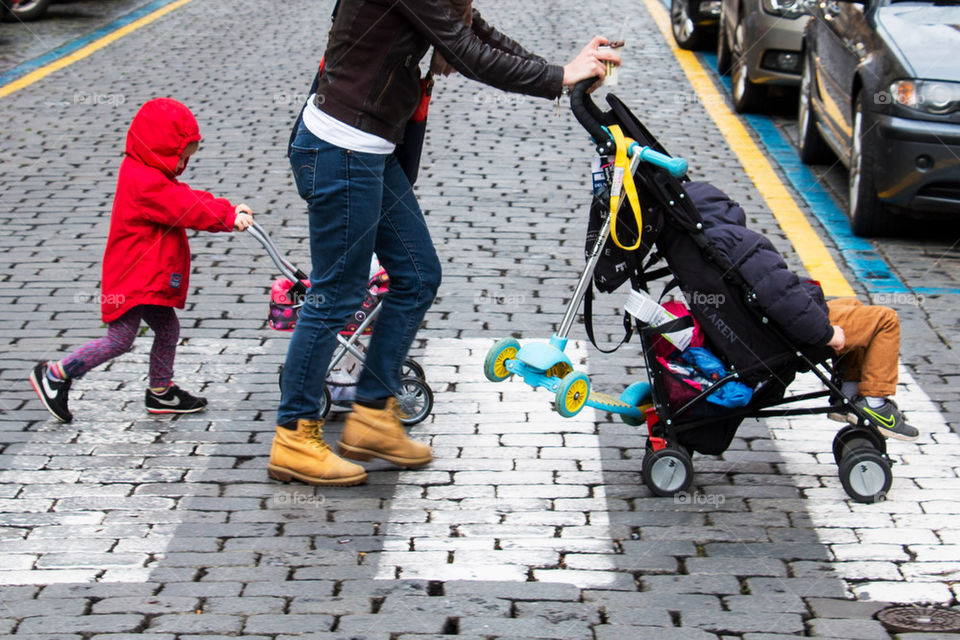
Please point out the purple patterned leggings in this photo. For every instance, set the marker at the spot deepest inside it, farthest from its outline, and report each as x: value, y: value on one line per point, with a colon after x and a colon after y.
x: 119, y: 339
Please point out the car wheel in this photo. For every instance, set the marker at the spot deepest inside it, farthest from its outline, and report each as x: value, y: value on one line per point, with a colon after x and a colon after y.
x: 813, y: 149
x: 724, y: 55
x: 868, y: 216
x: 685, y: 32
x: 28, y: 10
x: 746, y: 95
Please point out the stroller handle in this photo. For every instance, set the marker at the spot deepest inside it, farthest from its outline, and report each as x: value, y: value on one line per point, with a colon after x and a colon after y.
x: 289, y: 271
x: 677, y: 167
x: 589, y: 115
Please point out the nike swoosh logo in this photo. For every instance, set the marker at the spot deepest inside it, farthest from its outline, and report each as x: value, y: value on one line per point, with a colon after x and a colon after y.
x: 167, y: 403
x: 47, y: 389
x: 885, y: 422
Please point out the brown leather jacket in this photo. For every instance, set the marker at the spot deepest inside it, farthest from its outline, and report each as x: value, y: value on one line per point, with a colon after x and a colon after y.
x: 371, y: 71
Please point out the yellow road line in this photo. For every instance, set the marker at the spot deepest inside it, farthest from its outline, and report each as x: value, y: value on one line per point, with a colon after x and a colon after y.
x: 85, y: 51
x: 813, y: 253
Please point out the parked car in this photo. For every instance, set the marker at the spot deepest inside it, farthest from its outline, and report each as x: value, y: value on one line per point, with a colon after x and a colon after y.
x: 5, y: 6
x: 26, y: 10
x: 758, y: 43
x: 881, y: 89
x: 694, y: 22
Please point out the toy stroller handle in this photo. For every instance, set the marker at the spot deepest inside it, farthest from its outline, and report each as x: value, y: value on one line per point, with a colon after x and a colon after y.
x: 289, y: 271
x: 589, y: 115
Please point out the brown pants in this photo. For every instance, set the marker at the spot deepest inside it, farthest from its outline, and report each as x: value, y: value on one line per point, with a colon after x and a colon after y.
x: 872, y: 353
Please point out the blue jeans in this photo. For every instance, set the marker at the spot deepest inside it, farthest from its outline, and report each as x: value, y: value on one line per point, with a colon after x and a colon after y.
x: 358, y: 203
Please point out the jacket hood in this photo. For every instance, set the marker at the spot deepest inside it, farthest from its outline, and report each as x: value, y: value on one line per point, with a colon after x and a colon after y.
x: 160, y: 132
x: 714, y: 205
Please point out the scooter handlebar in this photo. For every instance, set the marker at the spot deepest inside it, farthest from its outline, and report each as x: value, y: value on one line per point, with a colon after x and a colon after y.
x: 677, y: 167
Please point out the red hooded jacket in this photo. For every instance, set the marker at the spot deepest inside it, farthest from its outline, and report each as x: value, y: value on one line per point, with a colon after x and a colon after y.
x: 147, y: 259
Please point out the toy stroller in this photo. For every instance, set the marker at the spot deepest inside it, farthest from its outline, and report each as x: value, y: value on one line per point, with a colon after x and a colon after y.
x: 415, y: 398
x: 672, y: 231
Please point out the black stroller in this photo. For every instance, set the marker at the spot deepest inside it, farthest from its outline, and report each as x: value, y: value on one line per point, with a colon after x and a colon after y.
x: 673, y: 244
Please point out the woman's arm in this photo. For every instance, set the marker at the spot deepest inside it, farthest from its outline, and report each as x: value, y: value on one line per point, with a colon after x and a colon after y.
x: 489, y: 34
x: 438, y: 22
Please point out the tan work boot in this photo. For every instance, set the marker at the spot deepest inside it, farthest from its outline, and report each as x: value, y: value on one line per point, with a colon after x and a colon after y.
x: 302, y: 455
x: 378, y: 433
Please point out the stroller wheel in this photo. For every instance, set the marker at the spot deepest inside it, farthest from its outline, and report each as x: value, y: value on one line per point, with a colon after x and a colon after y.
x: 851, y: 438
x: 414, y: 400
x: 572, y: 394
x: 325, y: 403
x: 494, y: 365
x: 865, y: 475
x: 412, y: 369
x: 668, y: 471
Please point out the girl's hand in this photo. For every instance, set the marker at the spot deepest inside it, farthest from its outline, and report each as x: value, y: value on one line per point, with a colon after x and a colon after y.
x: 244, y: 217
x: 588, y: 63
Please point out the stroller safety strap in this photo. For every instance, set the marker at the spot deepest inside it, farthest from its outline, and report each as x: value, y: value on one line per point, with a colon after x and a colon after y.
x: 623, y: 181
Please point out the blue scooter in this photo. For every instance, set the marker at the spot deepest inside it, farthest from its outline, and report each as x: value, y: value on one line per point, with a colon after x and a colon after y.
x: 545, y: 365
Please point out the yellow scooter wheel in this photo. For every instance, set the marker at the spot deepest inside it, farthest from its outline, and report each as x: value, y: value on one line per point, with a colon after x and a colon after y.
x: 572, y: 394
x: 494, y: 365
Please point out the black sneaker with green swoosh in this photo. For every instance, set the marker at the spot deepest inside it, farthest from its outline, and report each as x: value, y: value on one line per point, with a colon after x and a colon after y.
x: 886, y: 418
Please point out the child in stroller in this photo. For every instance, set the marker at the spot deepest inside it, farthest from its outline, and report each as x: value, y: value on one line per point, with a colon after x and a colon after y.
x: 866, y: 337
x: 764, y: 323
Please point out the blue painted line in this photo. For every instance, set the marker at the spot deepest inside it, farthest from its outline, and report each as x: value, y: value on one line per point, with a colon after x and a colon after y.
x: 868, y: 268
x: 64, y: 50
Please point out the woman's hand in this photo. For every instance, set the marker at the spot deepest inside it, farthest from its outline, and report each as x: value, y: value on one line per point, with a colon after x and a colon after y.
x: 244, y: 217
x: 589, y: 63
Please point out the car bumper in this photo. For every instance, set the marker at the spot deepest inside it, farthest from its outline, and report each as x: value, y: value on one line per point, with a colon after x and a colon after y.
x: 775, y: 57
x: 918, y: 165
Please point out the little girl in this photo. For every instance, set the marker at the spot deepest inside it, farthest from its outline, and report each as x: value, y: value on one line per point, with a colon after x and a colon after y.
x: 146, y: 265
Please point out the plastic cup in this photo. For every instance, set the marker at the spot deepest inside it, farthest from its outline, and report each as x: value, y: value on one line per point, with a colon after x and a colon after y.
x: 616, y: 48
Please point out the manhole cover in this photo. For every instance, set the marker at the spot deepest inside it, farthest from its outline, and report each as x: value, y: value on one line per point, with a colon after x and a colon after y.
x: 904, y: 619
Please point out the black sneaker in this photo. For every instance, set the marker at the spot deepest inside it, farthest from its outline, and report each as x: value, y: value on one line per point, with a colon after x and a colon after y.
x: 886, y: 418
x: 174, y: 400
x: 53, y: 393
x: 840, y: 415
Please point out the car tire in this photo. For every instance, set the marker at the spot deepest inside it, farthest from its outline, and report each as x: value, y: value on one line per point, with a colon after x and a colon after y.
x: 813, y: 149
x: 724, y: 55
x: 868, y: 215
x: 746, y: 95
x: 27, y: 10
x: 685, y: 32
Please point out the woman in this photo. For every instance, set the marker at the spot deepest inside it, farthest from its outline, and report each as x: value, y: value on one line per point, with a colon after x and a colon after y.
x: 360, y: 202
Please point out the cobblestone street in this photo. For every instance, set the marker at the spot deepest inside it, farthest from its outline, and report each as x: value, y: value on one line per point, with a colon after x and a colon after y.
x: 526, y: 525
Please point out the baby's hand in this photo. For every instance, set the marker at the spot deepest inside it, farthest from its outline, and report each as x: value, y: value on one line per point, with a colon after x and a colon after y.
x: 244, y: 217
x: 839, y: 339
